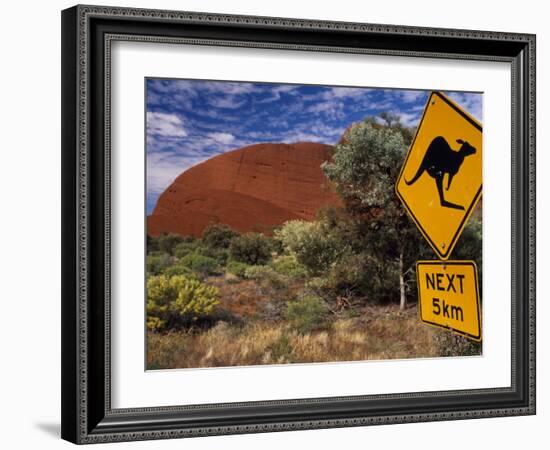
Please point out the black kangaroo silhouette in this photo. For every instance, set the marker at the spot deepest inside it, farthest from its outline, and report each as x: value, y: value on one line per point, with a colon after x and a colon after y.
x: 441, y: 159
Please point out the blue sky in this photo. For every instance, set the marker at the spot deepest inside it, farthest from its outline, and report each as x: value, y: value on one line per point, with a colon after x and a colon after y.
x: 189, y: 121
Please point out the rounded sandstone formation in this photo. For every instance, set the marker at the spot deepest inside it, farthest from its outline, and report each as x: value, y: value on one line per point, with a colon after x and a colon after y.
x: 255, y: 188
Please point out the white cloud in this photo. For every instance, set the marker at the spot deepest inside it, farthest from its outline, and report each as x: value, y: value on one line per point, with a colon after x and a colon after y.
x: 162, y: 169
x: 321, y: 107
x: 412, y: 96
x: 409, y: 119
x: 375, y: 105
x: 226, y: 102
x: 274, y: 92
x: 174, y: 86
x: 331, y: 109
x: 262, y: 135
x: 214, y: 113
x: 230, y: 88
x: 288, y: 88
x: 222, y: 138
x: 326, y: 131
x: 300, y: 136
x: 470, y: 102
x: 167, y: 125
x: 344, y: 92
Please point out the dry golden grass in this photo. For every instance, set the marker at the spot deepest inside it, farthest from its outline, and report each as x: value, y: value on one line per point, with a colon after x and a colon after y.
x: 390, y: 335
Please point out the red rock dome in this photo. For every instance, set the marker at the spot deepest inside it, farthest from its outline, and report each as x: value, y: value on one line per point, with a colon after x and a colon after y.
x: 255, y: 188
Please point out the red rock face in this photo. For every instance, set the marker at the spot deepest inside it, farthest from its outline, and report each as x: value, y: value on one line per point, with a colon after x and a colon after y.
x: 255, y: 188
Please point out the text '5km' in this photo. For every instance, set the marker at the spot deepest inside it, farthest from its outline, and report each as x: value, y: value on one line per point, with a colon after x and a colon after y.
x: 449, y: 297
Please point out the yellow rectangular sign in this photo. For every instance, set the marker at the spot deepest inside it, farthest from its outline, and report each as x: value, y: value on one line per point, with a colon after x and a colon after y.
x: 448, y: 296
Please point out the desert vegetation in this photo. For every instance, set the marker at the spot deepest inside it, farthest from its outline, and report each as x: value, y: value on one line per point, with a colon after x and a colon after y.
x: 340, y: 287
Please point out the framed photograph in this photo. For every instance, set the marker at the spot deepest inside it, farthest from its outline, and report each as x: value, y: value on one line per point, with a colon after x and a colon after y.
x: 281, y: 224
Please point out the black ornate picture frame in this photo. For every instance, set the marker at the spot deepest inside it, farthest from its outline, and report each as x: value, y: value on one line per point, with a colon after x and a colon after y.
x: 87, y: 35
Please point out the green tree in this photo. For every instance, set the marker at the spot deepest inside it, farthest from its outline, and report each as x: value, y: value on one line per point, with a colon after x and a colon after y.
x: 152, y: 244
x: 157, y: 263
x: 167, y: 242
x: 364, y: 169
x: 469, y: 245
x: 237, y: 268
x: 288, y: 265
x: 202, y: 265
x: 315, y: 245
x: 250, y: 248
x: 184, y: 248
x: 307, y: 314
x: 218, y: 235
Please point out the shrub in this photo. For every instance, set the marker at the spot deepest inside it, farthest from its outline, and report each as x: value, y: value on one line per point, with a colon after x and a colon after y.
x: 270, y: 310
x: 178, y: 269
x: 184, y: 248
x: 287, y: 265
x: 237, y: 268
x: 221, y: 255
x: 203, y: 265
x: 450, y: 344
x: 178, y: 300
x: 218, y: 235
x: 291, y: 234
x: 250, y: 248
x: 152, y: 244
x: 281, y: 349
x: 363, y: 275
x: 266, y: 276
x: 156, y: 263
x: 258, y: 272
x: 316, y: 284
x: 307, y: 314
x: 167, y: 242
x: 313, y: 244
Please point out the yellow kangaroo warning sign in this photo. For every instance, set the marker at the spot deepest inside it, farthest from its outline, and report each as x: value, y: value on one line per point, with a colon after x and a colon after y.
x: 440, y: 180
x: 448, y: 296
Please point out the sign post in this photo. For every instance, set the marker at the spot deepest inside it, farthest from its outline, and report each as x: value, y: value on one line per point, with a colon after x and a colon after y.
x: 439, y: 186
